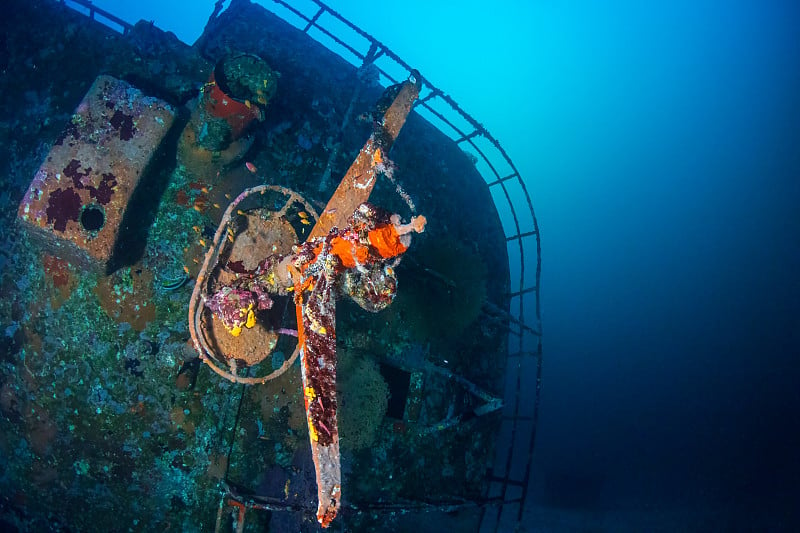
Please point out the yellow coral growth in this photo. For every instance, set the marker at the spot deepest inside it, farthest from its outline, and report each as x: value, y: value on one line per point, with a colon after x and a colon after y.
x: 249, y: 321
x: 310, y: 394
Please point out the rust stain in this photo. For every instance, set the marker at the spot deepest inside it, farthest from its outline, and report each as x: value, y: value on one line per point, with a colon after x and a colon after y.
x: 134, y: 307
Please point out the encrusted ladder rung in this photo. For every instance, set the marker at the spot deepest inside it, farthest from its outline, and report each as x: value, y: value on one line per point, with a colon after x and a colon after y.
x: 522, y: 235
x: 498, y: 181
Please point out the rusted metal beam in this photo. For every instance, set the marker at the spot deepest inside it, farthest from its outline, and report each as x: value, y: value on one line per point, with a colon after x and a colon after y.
x: 357, y: 184
x: 316, y: 314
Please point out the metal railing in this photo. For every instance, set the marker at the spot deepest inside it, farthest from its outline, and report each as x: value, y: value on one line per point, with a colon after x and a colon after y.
x: 100, y: 15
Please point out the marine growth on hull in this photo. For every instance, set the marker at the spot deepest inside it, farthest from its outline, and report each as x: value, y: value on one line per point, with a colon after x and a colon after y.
x: 244, y: 285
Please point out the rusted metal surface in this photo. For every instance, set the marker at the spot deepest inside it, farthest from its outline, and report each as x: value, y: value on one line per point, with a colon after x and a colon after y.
x: 199, y: 319
x: 357, y: 184
x: 318, y: 345
x: 76, y: 202
x: 354, y: 256
x: 316, y: 320
x: 349, y: 235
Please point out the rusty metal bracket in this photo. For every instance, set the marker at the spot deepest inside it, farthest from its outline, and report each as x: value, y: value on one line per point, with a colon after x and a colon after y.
x: 357, y: 184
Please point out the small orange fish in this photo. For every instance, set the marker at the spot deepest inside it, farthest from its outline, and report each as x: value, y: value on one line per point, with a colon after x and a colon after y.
x: 204, y: 189
x: 197, y: 208
x: 216, y: 206
x: 251, y: 167
x: 240, y: 212
x: 248, y: 104
x: 305, y: 221
x: 228, y: 195
x: 185, y: 269
x: 302, y: 214
x: 202, y: 242
x: 196, y: 228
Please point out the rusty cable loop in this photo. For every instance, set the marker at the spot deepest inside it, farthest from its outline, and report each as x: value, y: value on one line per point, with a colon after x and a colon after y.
x: 207, y: 354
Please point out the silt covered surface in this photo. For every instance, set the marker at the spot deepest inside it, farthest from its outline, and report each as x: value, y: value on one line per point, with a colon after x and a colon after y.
x: 107, y: 419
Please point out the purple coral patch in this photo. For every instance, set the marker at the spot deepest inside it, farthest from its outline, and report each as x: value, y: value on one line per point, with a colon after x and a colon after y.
x: 72, y: 170
x: 104, y: 191
x: 124, y: 124
x: 70, y: 130
x: 231, y: 305
x: 63, y: 205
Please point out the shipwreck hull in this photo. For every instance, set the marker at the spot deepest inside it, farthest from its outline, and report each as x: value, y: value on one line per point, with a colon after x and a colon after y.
x: 109, y: 420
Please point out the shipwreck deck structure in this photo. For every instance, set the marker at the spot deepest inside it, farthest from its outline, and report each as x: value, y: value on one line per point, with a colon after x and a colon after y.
x: 103, y: 399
